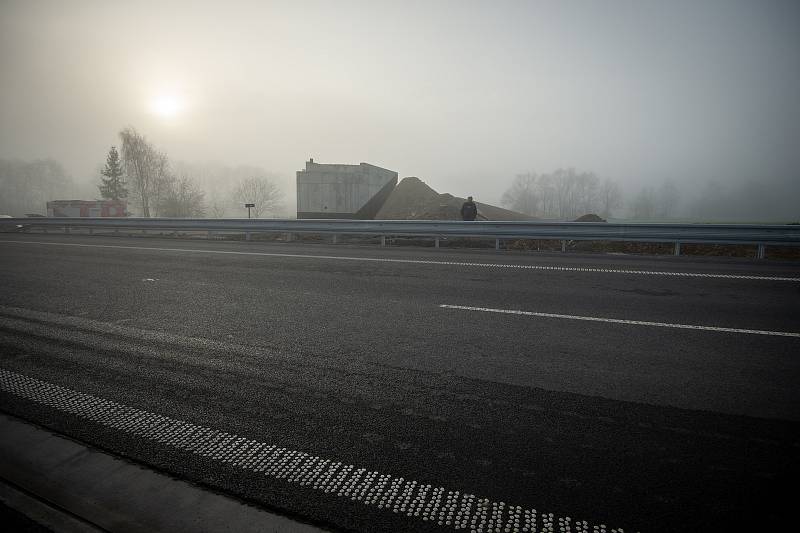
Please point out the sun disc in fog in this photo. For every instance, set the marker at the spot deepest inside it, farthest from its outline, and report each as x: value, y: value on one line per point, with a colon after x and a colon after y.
x: 167, y: 105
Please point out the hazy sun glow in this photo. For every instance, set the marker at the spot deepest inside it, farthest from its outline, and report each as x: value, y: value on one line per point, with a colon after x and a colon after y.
x: 167, y: 105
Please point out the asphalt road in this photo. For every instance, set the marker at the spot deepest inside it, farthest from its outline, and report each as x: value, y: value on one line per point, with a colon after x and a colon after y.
x: 598, y: 407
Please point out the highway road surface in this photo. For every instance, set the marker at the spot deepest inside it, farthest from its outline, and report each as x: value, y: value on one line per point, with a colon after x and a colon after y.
x: 411, y: 389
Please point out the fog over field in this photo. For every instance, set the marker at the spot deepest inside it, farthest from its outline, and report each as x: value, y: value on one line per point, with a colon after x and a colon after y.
x: 689, y: 104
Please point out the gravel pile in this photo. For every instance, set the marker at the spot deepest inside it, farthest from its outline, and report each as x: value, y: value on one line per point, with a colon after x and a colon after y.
x: 413, y: 199
x: 591, y: 217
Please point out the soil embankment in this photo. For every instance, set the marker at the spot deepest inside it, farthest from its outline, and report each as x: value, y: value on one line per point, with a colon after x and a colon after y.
x: 413, y: 199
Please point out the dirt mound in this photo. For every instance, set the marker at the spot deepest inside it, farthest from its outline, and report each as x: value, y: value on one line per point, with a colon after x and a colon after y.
x: 412, y: 199
x: 492, y: 212
x: 409, y: 200
x: 591, y: 217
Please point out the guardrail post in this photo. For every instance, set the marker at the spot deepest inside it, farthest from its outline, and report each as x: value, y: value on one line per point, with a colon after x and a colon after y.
x: 436, y: 242
x: 677, y: 248
x: 497, y: 244
x: 383, y: 240
x: 760, y: 252
x: 288, y: 237
x: 563, y: 246
x: 335, y: 239
x: 247, y: 235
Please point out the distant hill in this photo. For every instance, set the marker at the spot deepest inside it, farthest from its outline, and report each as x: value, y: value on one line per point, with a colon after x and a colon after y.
x: 413, y: 199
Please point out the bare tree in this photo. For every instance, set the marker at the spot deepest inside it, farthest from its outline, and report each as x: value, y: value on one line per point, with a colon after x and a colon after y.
x: 610, y: 197
x: 668, y: 198
x: 548, y: 194
x: 136, y: 162
x: 564, y: 194
x: 587, y: 194
x: 217, y: 209
x: 644, y: 205
x: 181, y: 198
x: 219, y: 182
x: 564, y: 185
x: 26, y: 186
x: 163, y: 181
x: 146, y: 169
x: 523, y: 195
x: 259, y: 191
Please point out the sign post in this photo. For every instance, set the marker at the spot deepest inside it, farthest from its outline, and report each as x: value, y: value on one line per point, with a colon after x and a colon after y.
x: 248, y: 206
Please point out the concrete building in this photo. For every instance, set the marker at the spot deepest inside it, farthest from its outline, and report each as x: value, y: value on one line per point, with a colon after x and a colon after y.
x: 342, y: 191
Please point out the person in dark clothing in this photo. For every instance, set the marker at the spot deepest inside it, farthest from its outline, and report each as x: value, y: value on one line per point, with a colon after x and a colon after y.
x: 469, y: 211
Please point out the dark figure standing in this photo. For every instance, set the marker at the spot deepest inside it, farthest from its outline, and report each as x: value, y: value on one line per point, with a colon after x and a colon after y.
x: 469, y: 210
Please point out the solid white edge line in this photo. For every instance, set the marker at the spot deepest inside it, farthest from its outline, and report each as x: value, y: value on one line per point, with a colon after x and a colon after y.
x: 621, y: 321
x: 554, y: 268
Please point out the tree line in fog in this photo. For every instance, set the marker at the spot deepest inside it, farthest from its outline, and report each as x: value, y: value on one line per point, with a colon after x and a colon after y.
x: 158, y: 188
x: 566, y: 194
x: 137, y: 172
x: 563, y: 194
x: 26, y: 186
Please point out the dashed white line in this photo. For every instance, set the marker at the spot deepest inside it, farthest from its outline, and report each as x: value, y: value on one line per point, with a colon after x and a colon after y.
x: 421, y: 501
x: 621, y: 321
x: 427, y: 262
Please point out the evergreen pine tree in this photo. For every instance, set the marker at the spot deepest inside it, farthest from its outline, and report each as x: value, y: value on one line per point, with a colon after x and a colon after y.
x: 112, y: 186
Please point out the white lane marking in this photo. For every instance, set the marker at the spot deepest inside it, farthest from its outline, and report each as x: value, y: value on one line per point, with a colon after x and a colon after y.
x: 422, y: 261
x: 622, y: 321
x: 421, y: 501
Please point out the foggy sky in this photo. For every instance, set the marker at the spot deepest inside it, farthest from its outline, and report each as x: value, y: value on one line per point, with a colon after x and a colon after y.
x: 462, y: 94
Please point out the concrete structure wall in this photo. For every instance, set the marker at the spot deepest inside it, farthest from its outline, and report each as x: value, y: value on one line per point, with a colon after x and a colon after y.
x: 341, y: 191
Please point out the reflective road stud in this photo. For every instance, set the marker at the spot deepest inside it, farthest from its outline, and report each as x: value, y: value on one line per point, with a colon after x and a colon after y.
x: 416, y: 500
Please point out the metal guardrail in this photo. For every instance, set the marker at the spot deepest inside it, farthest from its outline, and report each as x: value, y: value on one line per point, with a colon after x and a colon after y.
x: 750, y: 234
